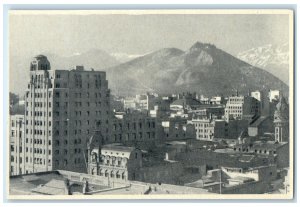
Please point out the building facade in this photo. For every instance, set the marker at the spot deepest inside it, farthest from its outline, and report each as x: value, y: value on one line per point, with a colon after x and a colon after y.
x: 133, y: 127
x: 17, y: 148
x: 62, y: 108
x: 115, y: 162
x: 242, y: 107
x: 210, y: 128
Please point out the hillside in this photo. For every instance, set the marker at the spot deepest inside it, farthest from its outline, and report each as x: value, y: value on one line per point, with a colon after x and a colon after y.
x: 203, y: 68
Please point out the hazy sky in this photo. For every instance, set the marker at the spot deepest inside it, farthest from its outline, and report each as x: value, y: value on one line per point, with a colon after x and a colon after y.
x: 65, y: 35
x: 140, y: 34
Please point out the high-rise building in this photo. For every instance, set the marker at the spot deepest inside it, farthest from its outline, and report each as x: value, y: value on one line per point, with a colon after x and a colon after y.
x: 62, y: 109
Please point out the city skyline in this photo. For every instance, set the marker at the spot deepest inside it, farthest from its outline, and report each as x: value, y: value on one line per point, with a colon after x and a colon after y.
x: 192, y: 120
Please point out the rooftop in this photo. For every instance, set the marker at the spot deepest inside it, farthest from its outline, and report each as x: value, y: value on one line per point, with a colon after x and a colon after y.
x: 259, y: 121
x: 117, y: 147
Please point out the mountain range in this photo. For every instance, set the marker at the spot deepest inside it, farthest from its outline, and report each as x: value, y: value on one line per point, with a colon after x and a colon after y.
x: 272, y: 58
x: 203, y: 68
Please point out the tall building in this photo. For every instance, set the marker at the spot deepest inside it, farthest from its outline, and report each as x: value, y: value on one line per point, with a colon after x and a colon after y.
x: 16, y: 138
x: 281, y: 121
x: 63, y: 108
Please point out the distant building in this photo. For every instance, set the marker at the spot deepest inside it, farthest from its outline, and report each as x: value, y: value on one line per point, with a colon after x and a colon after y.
x: 263, y: 99
x: 242, y: 107
x: 274, y: 150
x: 215, y: 111
x: 281, y: 121
x: 161, y: 108
x: 177, y: 128
x: 133, y: 127
x: 274, y: 95
x: 209, y: 128
x: 217, y: 100
x: 140, y: 102
x: 187, y: 101
x: 261, y: 126
x: 146, y: 101
x: 130, y: 103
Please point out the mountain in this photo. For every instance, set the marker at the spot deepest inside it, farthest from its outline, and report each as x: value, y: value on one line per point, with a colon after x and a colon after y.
x: 203, y: 68
x: 272, y: 58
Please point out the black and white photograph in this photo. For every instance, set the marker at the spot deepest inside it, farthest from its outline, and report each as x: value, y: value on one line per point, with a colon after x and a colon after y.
x: 151, y: 104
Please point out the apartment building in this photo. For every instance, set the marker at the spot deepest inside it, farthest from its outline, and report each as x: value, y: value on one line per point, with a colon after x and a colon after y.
x: 62, y: 109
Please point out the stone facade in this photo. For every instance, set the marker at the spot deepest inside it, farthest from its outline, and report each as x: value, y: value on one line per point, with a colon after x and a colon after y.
x: 115, y: 162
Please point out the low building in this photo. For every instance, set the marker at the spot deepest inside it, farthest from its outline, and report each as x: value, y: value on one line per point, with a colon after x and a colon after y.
x: 67, y: 183
x: 280, y: 151
x: 215, y: 111
x: 188, y: 101
x: 115, y: 162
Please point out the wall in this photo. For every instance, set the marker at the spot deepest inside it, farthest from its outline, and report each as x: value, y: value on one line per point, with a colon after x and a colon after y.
x: 163, y: 173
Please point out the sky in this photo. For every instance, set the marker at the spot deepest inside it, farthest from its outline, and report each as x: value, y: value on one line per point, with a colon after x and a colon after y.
x: 135, y: 35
